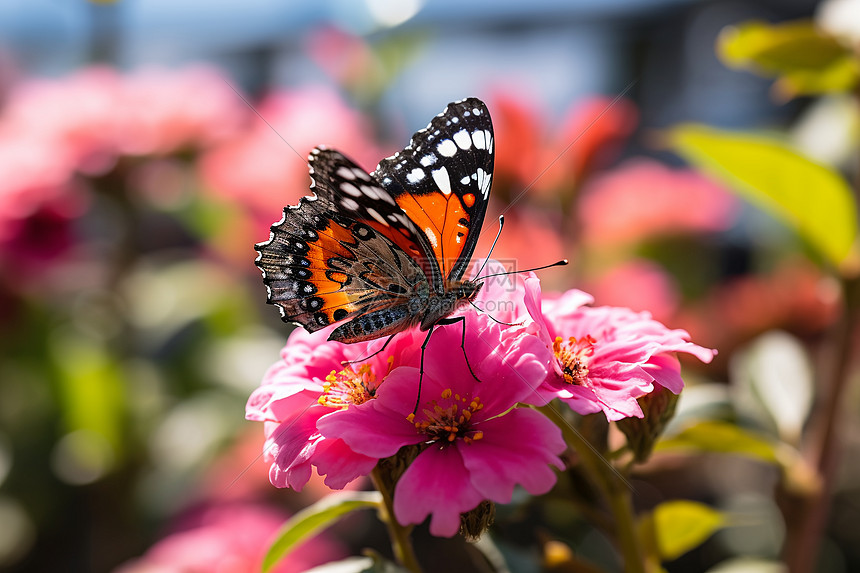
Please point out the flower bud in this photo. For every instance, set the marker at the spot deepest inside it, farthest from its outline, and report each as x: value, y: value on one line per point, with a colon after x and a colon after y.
x: 642, y: 433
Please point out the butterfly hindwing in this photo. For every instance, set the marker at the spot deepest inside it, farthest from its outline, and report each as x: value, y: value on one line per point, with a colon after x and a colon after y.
x: 322, y: 267
x: 442, y: 181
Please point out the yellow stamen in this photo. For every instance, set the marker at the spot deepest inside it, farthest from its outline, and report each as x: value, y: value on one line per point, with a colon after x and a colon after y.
x: 574, y: 356
x: 349, y: 387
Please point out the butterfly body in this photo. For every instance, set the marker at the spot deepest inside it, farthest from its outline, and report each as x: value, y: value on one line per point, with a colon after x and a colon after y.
x: 384, y: 252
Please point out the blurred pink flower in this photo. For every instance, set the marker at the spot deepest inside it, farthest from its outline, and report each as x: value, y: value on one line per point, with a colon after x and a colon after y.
x: 606, y: 357
x: 74, y: 117
x: 795, y: 296
x: 654, y: 290
x: 643, y: 199
x: 589, y: 138
x: 53, y: 129
x: 263, y: 173
x: 98, y: 113
x: 561, y: 155
x: 529, y: 239
x: 518, y: 137
x: 231, y: 538
x: 162, y: 111
x: 475, y: 445
x: 309, y: 384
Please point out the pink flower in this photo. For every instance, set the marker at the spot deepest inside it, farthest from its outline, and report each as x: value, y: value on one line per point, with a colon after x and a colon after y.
x: 525, y: 227
x: 262, y: 173
x: 587, y: 138
x: 229, y: 538
x: 475, y: 445
x: 656, y: 290
x: 162, y: 111
x: 606, y: 357
x: 643, y: 198
x: 96, y: 114
x: 310, y: 384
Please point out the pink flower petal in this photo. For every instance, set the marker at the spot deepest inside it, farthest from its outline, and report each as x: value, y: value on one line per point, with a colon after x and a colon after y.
x: 516, y: 448
x: 436, y: 484
x: 335, y: 460
x: 373, y: 429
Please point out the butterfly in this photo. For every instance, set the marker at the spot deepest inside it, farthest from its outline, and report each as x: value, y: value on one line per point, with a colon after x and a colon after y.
x: 386, y: 251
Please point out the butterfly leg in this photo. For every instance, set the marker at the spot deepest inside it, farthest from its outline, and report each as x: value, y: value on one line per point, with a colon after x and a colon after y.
x: 444, y: 321
x: 461, y: 320
x: 421, y: 370
x: 369, y: 356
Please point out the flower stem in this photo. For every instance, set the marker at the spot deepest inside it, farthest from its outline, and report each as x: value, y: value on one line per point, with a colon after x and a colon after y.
x: 401, y: 543
x: 807, y: 511
x: 614, y: 488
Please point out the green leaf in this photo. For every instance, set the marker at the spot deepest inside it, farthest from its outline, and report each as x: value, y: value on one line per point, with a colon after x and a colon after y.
x: 805, y: 59
x: 314, y: 518
x: 91, y: 385
x: 812, y: 199
x: 720, y: 437
x: 681, y: 525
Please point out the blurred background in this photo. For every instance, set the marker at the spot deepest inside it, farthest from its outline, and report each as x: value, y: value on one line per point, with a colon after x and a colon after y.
x: 146, y: 145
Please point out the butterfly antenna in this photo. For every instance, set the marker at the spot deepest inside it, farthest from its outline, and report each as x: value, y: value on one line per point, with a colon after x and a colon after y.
x: 493, y: 246
x: 560, y: 263
x: 496, y: 320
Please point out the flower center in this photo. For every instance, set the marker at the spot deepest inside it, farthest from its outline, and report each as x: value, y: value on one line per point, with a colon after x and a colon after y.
x: 573, y: 356
x: 446, y: 424
x: 349, y: 386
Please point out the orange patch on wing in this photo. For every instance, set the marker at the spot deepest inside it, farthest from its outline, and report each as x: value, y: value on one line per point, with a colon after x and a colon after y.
x: 337, y: 277
x: 439, y: 218
x: 469, y: 199
x: 396, y: 237
x: 336, y: 300
x: 328, y: 245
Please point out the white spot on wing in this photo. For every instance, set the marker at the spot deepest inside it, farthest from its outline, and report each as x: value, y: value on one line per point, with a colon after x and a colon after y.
x: 464, y: 180
x: 440, y: 176
x: 361, y: 174
x: 349, y: 204
x: 371, y: 191
x: 415, y: 175
x: 462, y: 139
x: 385, y: 196
x: 345, y: 172
x: 428, y: 160
x: 484, y: 182
x: 478, y: 139
x: 431, y: 236
x: 377, y: 216
x: 350, y: 189
x: 447, y: 148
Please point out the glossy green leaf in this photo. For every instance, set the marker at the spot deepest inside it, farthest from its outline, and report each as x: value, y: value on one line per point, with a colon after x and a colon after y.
x: 314, y: 518
x: 720, y: 437
x: 681, y: 525
x: 805, y: 59
x: 812, y: 199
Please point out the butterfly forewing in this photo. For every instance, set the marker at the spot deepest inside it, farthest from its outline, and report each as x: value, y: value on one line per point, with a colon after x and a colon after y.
x: 442, y: 180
